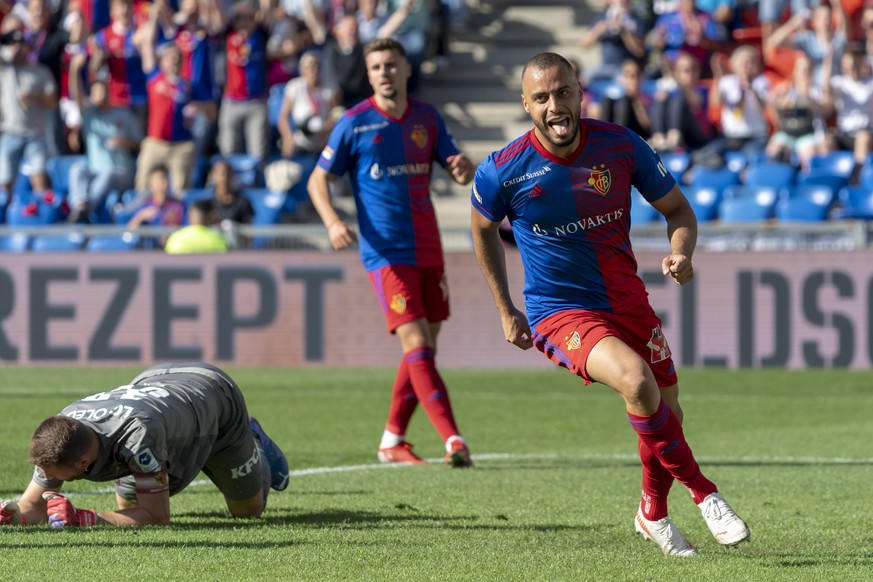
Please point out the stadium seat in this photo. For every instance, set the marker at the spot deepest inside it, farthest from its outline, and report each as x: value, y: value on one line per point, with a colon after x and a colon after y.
x: 774, y: 174
x: 14, y: 242
x: 677, y: 163
x: 744, y: 209
x: 246, y: 169
x: 192, y: 195
x: 817, y: 193
x: 823, y: 178
x: 641, y: 212
x: 838, y: 163
x: 714, y: 178
x: 605, y: 89
x: 801, y: 209
x: 736, y: 161
x: 857, y: 202
x: 54, y: 243
x: 267, y: 205
x: 704, y: 200
x: 126, y: 241
x: 59, y: 172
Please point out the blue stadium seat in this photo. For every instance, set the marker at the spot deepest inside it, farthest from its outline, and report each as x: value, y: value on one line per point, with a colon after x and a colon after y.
x: 59, y: 172
x: 857, y: 202
x: 744, y: 209
x: 126, y: 241
x: 822, y: 178
x: 641, y: 212
x: 677, y: 163
x: 774, y: 174
x: 715, y: 178
x: 801, y: 210
x: 54, y: 243
x: 246, y: 169
x: 267, y: 205
x: 736, y: 161
x: 764, y: 193
x: 192, y: 195
x: 838, y: 163
x: 15, y: 242
x: 705, y: 201
x: 821, y: 194
x: 605, y: 88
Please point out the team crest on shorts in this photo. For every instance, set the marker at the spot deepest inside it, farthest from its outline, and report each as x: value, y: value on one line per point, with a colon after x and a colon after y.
x: 658, y: 345
x: 601, y: 179
x: 398, y: 304
x: 574, y: 342
x: 419, y: 136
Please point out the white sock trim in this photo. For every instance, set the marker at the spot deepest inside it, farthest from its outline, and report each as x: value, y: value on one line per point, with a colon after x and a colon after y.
x: 390, y: 439
x: 453, y: 438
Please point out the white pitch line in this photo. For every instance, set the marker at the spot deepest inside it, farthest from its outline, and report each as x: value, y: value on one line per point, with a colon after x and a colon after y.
x: 834, y: 461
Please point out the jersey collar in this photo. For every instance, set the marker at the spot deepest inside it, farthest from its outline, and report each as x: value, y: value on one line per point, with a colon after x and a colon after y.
x: 583, y: 139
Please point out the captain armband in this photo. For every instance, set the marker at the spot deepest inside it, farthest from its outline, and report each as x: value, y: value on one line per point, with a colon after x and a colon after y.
x: 151, y: 483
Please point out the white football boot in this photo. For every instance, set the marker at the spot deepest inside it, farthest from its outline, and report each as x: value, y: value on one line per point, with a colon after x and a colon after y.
x: 725, y: 525
x: 664, y: 533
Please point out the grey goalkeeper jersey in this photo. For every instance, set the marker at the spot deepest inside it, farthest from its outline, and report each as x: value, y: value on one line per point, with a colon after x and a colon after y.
x: 168, y: 416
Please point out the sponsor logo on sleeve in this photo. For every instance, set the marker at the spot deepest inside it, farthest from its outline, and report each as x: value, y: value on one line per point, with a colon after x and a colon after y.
x: 327, y: 153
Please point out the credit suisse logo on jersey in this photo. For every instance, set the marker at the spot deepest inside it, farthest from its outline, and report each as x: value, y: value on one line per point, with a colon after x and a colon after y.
x: 527, y: 176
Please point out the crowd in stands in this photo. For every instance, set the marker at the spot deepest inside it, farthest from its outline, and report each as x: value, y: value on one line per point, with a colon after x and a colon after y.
x: 716, y: 84
x: 129, y: 111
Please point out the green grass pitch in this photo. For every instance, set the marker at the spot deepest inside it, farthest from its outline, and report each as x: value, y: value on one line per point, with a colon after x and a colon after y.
x: 552, y: 495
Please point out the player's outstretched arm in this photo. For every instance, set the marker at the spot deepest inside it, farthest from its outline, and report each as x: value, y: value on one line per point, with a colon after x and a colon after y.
x: 492, y: 262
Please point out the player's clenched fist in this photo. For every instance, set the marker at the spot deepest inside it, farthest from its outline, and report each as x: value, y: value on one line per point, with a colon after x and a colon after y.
x: 61, y: 512
x: 10, y: 514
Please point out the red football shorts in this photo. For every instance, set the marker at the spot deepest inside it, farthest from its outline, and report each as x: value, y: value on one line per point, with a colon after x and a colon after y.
x: 567, y: 337
x: 407, y: 293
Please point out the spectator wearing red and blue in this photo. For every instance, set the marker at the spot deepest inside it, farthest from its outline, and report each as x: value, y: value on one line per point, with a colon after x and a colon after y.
x: 116, y: 48
x: 160, y: 208
x: 242, y: 119
x: 171, y: 109
x: 196, y: 26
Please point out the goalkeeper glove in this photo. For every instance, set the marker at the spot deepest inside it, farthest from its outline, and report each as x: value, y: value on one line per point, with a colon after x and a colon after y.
x: 10, y: 514
x: 61, y: 512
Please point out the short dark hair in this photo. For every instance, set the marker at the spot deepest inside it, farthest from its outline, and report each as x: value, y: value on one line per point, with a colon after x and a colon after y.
x: 204, y: 205
x: 384, y: 44
x: 159, y: 169
x: 59, y: 440
x: 545, y: 61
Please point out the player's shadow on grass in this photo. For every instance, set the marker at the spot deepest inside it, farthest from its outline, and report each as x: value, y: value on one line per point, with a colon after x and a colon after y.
x: 400, y: 516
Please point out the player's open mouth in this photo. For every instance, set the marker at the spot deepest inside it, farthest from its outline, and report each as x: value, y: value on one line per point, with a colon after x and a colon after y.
x: 560, y: 126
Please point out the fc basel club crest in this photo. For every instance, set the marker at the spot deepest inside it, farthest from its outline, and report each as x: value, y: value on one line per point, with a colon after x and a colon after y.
x: 398, y: 304
x: 419, y: 136
x: 600, y: 179
x: 574, y: 342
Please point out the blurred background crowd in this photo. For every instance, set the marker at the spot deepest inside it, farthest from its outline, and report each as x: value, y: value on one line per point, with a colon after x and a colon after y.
x: 129, y: 111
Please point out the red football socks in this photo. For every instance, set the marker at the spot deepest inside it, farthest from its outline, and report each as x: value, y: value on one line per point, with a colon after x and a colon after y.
x: 403, y: 401
x: 431, y: 391
x: 662, y: 434
x: 656, y: 484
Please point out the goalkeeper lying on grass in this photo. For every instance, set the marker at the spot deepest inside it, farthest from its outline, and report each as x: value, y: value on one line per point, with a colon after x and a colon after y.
x: 152, y: 437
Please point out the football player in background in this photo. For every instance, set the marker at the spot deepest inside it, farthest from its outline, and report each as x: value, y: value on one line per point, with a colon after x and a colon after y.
x: 566, y: 188
x: 388, y: 144
x: 152, y: 436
